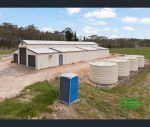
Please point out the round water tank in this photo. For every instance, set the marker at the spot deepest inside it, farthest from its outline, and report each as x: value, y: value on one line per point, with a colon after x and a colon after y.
x: 140, y: 60
x: 103, y: 72
x: 123, y: 66
x: 133, y: 62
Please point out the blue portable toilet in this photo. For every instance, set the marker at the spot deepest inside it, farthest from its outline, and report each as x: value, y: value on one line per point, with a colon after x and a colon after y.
x: 68, y: 88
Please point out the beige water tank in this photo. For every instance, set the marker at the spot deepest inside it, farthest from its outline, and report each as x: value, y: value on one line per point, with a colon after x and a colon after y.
x: 123, y: 66
x: 103, y: 72
x: 140, y: 60
x: 133, y: 62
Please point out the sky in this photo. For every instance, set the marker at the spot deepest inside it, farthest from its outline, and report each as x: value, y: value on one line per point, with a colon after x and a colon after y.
x: 109, y: 22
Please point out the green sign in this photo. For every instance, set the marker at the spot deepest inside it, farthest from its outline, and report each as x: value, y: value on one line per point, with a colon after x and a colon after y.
x: 131, y: 103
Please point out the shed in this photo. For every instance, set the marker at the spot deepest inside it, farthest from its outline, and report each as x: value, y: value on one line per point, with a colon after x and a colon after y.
x: 16, y: 56
x: 69, y: 55
x: 42, y: 58
x: 40, y: 54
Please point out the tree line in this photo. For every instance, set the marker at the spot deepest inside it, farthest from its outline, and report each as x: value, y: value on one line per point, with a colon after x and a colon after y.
x: 11, y: 35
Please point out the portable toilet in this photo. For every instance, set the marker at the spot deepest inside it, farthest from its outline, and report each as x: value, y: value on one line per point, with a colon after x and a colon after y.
x: 68, y: 88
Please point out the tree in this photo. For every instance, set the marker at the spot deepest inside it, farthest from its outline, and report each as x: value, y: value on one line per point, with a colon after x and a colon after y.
x: 68, y: 34
x: 75, y: 38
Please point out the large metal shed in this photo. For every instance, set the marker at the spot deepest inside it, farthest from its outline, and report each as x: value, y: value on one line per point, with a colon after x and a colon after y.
x: 43, y: 54
x: 69, y: 55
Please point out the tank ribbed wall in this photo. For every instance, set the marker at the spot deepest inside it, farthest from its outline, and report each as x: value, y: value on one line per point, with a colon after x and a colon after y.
x: 140, y: 60
x: 133, y: 62
x: 104, y: 72
x: 123, y: 66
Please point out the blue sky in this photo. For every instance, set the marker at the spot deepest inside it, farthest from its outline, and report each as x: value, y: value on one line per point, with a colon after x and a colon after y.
x: 110, y: 22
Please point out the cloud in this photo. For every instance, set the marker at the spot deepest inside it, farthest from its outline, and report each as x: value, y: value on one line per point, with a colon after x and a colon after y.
x: 115, y: 30
x: 106, y: 29
x: 90, y: 30
x: 49, y: 29
x: 101, y: 13
x: 145, y: 20
x: 91, y: 21
x: 67, y: 24
x: 114, y: 36
x: 129, y: 19
x: 101, y: 23
x: 128, y: 28
x: 72, y: 11
x: 94, y: 30
x: 136, y: 20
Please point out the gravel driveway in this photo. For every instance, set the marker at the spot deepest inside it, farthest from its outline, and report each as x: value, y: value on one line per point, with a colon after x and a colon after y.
x: 14, y: 77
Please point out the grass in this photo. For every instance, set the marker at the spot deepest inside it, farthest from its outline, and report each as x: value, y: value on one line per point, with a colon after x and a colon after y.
x: 134, y: 51
x: 93, y: 102
x: 5, y: 51
x: 105, y: 103
x: 32, y: 101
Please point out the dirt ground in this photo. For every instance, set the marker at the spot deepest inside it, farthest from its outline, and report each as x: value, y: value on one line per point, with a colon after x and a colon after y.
x: 14, y: 77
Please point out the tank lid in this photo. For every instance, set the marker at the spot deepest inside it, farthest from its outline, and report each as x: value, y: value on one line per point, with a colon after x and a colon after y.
x: 128, y: 57
x: 103, y: 63
x: 117, y: 60
x: 135, y: 55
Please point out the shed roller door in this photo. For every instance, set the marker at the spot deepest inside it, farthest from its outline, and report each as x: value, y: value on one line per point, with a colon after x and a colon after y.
x: 31, y: 60
x: 22, y: 53
x: 15, y: 58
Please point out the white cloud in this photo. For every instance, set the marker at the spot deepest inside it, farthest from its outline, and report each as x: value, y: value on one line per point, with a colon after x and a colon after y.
x: 114, y: 36
x: 106, y: 29
x: 49, y: 29
x: 136, y: 20
x: 94, y: 30
x: 72, y: 11
x: 129, y: 19
x: 101, y: 13
x: 101, y: 23
x: 90, y: 30
x: 145, y: 20
x: 128, y: 28
x: 115, y: 30
x: 67, y: 24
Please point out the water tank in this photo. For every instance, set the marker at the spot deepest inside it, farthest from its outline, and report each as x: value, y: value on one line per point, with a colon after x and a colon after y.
x: 140, y: 60
x: 133, y: 62
x: 103, y: 72
x: 68, y: 88
x: 123, y: 66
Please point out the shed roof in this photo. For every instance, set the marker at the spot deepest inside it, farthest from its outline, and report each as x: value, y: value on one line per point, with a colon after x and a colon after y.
x: 16, y: 51
x: 88, y: 48
x: 67, y: 49
x: 102, y: 48
x: 42, y: 50
x: 41, y: 42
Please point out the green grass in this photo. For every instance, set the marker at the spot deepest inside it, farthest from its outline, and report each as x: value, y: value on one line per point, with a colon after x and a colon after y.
x: 134, y: 51
x: 93, y: 102
x: 5, y: 51
x: 42, y: 95
x: 105, y: 103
